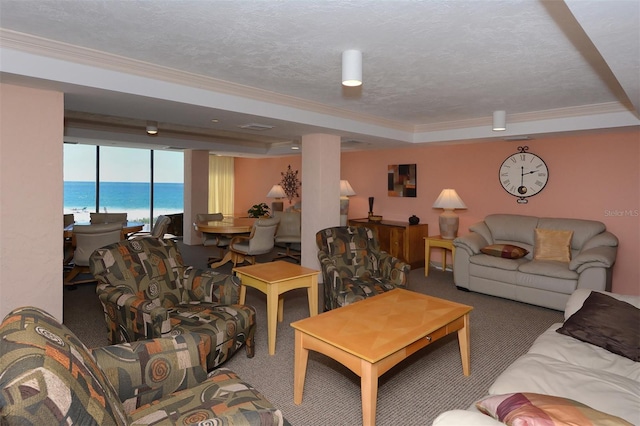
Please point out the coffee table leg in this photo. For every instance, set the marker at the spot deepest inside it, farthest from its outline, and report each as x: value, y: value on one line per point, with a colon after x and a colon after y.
x: 465, y: 352
x: 272, y: 316
x: 369, y: 390
x: 299, y: 368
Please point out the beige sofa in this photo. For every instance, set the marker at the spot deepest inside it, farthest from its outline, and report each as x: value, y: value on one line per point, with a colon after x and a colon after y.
x: 591, y: 254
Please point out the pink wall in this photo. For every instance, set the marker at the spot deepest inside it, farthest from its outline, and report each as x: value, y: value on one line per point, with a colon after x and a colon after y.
x: 590, y: 177
x: 255, y: 177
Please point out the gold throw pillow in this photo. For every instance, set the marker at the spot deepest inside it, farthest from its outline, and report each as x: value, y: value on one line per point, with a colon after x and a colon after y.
x: 551, y: 244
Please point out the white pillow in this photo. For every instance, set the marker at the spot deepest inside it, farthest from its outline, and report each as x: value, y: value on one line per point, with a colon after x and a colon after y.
x: 576, y: 300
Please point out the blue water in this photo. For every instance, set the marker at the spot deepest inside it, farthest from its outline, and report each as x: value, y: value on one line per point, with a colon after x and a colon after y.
x: 123, y: 196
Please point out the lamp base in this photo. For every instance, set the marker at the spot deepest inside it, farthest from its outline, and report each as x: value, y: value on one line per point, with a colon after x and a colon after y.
x: 277, y: 206
x: 448, y: 222
x: 344, y: 210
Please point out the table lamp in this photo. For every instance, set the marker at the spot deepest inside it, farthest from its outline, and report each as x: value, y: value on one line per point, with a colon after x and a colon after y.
x: 448, y: 221
x: 278, y: 193
x: 346, y: 191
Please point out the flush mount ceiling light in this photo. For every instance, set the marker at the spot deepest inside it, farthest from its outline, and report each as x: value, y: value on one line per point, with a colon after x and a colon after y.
x: 152, y: 128
x: 499, y: 121
x: 351, y: 68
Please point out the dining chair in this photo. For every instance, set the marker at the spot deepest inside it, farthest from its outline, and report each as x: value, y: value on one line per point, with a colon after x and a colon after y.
x: 260, y: 241
x: 96, y: 218
x: 289, y: 232
x: 67, y: 246
x: 158, y: 230
x: 213, y: 240
x: 88, y: 238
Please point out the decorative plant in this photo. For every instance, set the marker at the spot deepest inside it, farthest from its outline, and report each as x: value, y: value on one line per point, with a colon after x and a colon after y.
x: 258, y: 210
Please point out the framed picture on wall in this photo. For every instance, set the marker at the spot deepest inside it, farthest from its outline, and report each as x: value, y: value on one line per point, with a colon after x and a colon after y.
x: 401, y: 180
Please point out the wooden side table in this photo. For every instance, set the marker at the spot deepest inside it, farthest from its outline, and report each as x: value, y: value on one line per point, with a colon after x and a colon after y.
x: 438, y: 241
x: 274, y: 279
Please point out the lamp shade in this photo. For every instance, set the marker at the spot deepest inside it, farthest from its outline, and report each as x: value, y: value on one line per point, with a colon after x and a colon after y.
x: 449, y: 199
x: 499, y: 121
x: 351, y: 68
x: 345, y: 189
x: 276, y: 192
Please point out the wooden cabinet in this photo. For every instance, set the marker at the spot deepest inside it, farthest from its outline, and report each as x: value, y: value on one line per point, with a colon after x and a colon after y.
x: 399, y: 239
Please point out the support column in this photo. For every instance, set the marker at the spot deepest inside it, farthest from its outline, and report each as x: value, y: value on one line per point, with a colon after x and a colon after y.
x: 196, y: 192
x: 31, y: 199
x: 320, y: 191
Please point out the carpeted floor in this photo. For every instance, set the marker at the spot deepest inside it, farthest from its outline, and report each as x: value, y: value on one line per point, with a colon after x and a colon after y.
x: 412, y: 393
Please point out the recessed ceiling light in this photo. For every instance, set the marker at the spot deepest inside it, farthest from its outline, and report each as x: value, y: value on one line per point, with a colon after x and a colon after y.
x: 214, y: 120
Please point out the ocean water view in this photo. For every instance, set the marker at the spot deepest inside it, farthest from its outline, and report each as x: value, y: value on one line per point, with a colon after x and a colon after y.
x: 119, y: 197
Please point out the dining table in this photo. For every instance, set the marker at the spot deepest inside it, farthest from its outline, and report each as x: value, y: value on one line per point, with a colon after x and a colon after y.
x: 228, y: 227
x: 127, y: 228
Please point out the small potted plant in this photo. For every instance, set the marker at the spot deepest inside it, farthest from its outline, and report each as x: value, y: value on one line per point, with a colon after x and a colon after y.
x: 259, y: 210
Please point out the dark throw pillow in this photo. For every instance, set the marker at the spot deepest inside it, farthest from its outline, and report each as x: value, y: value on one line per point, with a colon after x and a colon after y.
x: 507, y: 251
x: 608, y: 323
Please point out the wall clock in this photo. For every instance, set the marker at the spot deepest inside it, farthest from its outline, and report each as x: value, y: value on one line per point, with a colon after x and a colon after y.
x: 523, y: 174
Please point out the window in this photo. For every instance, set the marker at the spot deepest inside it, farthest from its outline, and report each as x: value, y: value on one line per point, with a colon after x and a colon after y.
x: 143, y: 183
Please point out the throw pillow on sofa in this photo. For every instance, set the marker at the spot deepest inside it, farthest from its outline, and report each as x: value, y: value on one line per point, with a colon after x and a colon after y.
x: 551, y: 244
x: 606, y: 322
x: 534, y: 409
x: 506, y: 251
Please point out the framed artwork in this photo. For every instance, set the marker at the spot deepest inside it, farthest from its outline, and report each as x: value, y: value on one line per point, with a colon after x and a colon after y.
x: 401, y: 180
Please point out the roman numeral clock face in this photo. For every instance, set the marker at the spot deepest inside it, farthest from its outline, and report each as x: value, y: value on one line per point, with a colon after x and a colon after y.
x: 523, y: 175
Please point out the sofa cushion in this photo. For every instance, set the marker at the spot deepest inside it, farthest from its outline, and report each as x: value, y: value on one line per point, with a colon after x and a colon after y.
x: 552, y: 245
x: 549, y: 268
x: 497, y: 262
x: 223, y: 399
x: 583, y: 230
x: 534, y: 409
x: 608, y: 323
x: 507, y: 251
x: 511, y: 227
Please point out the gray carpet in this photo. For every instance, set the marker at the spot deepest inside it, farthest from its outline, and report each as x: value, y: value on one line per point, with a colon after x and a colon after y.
x: 412, y: 393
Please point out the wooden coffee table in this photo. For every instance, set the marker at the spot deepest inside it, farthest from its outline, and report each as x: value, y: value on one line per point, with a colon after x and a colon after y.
x: 273, y: 279
x: 371, y: 336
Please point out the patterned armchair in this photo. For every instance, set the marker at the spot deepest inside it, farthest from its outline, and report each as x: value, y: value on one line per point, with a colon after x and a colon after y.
x: 354, y: 267
x: 147, y: 292
x: 48, y: 377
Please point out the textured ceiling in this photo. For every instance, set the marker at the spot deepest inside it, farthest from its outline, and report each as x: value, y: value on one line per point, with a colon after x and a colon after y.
x: 424, y: 62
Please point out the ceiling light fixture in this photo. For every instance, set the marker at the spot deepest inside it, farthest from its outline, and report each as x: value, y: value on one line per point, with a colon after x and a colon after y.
x: 351, y: 68
x: 499, y: 121
x: 152, y: 128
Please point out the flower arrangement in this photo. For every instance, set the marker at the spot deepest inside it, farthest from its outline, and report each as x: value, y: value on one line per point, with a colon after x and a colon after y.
x: 259, y: 210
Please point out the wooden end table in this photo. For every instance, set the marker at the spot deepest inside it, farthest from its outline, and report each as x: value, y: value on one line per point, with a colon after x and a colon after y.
x: 274, y: 279
x: 371, y: 336
x: 438, y: 241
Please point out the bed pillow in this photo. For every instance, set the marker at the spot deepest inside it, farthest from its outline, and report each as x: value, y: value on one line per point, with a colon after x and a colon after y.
x: 506, y: 251
x: 606, y: 322
x: 551, y: 244
x: 534, y: 409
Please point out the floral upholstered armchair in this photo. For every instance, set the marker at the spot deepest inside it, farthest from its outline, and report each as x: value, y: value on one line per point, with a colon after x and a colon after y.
x: 48, y: 377
x: 147, y: 292
x: 354, y: 267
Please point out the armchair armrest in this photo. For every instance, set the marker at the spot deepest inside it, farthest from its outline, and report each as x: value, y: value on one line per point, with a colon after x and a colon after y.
x: 595, y: 257
x: 129, y: 317
x: 471, y: 243
x: 206, y: 285
x: 393, y: 269
x: 144, y: 371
